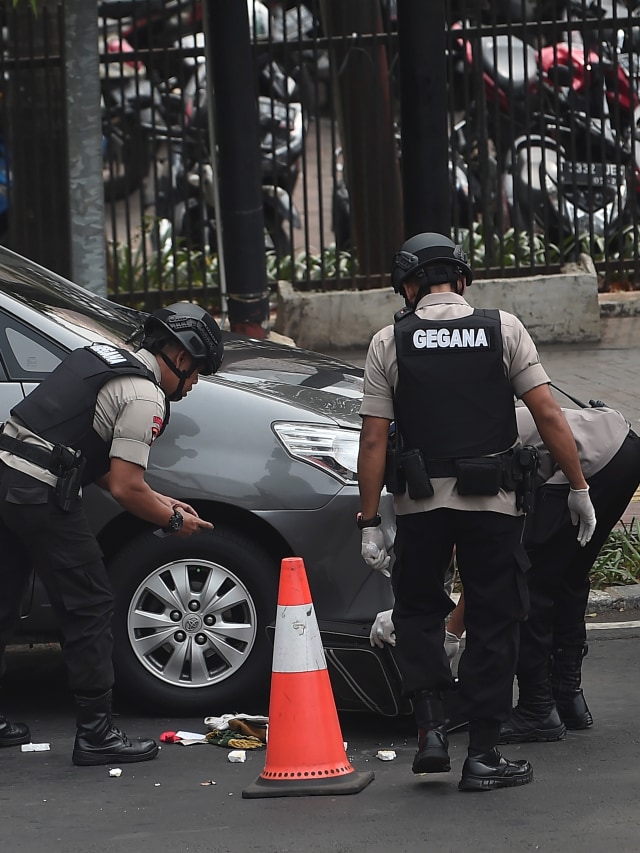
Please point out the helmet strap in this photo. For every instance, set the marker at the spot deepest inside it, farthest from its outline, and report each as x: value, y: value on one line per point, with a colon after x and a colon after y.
x: 182, y: 375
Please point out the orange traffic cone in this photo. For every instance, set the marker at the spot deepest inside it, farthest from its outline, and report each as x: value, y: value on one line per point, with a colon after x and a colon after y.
x: 305, y: 750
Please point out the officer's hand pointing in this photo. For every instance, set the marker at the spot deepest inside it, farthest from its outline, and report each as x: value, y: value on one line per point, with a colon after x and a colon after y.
x: 374, y: 551
x: 582, y: 513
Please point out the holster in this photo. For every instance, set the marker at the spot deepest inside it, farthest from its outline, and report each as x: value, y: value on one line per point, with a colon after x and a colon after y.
x: 394, y: 478
x: 68, y: 466
x: 525, y: 469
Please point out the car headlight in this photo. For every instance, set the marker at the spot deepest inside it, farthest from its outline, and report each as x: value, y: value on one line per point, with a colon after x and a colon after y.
x: 332, y: 449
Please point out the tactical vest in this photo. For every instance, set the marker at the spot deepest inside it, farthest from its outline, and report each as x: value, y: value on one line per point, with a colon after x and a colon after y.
x: 61, y: 409
x: 453, y: 399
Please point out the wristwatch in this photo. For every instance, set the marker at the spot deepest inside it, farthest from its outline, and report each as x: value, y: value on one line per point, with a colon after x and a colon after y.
x: 175, y: 522
x: 376, y: 521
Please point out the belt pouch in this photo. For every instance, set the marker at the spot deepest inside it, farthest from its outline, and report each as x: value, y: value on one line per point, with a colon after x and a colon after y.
x: 480, y: 476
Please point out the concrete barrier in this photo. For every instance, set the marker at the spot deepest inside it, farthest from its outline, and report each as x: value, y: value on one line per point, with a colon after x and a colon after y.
x: 560, y: 308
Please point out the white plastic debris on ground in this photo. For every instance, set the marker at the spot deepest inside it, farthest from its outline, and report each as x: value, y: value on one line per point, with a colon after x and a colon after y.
x: 386, y: 754
x: 35, y: 747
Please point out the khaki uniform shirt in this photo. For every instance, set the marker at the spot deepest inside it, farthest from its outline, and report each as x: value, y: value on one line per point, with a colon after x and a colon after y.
x: 129, y: 411
x: 521, y: 365
x: 599, y: 434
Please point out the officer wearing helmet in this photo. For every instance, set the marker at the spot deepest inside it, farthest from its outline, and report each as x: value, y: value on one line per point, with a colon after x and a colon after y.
x: 93, y: 420
x: 446, y: 376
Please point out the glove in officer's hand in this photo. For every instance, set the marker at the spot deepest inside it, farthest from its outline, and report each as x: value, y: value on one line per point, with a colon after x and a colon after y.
x: 382, y: 630
x: 374, y: 551
x: 582, y: 513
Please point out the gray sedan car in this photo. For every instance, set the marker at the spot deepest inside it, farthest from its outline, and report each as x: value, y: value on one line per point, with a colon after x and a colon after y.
x: 266, y: 450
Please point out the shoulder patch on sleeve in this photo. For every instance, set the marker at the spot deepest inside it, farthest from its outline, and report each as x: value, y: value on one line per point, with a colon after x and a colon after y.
x: 156, y: 428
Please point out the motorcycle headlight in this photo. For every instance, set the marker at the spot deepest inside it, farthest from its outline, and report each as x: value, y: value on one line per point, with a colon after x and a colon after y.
x: 332, y: 449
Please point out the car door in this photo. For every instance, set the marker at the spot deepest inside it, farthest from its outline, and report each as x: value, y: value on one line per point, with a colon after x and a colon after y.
x: 26, y: 357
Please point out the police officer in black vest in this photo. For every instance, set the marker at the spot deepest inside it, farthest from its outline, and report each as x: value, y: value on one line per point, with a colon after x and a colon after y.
x: 447, y: 376
x: 93, y: 420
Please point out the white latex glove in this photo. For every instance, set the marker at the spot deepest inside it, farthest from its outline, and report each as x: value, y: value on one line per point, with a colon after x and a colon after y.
x: 451, y: 644
x: 382, y: 630
x: 582, y: 513
x: 374, y: 551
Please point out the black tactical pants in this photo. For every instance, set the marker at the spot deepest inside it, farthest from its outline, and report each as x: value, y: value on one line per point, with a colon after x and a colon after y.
x: 559, y: 575
x: 492, y: 565
x: 36, y: 534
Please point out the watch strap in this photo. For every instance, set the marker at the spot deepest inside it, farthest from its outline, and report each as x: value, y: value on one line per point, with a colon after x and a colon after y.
x: 374, y: 521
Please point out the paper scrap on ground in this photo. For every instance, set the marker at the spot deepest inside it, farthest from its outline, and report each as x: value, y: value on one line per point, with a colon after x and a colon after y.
x: 185, y: 738
x: 35, y: 747
x: 237, y: 755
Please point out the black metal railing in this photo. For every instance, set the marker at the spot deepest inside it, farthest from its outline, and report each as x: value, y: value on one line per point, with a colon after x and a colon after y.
x: 543, y: 101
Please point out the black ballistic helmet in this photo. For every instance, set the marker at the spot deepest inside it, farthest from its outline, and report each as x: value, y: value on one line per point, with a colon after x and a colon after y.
x: 432, y: 258
x: 193, y: 328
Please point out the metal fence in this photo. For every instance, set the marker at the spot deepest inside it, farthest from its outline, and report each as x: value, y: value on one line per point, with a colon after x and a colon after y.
x: 544, y: 150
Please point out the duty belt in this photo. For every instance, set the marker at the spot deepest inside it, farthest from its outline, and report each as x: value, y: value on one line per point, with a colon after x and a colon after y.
x: 447, y: 467
x: 57, y: 461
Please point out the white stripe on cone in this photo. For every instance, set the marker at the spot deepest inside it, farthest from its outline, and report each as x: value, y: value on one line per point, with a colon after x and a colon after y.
x: 297, y: 646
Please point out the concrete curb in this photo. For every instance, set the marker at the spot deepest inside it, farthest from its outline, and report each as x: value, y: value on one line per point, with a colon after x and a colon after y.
x: 623, y: 304
x: 563, y: 308
x: 614, y: 598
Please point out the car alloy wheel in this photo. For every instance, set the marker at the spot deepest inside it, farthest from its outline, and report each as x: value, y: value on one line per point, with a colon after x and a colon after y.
x: 190, y: 618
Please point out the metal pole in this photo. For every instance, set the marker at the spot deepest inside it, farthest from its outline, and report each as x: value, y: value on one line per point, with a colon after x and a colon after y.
x: 213, y: 148
x: 228, y: 40
x: 424, y: 116
x: 84, y: 140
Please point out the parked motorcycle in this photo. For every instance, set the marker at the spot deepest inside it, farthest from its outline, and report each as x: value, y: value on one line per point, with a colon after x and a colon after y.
x: 180, y: 195
x: 561, y: 167
x: 127, y: 95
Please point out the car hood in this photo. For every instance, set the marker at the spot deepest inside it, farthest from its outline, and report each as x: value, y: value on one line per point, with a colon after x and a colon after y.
x: 309, y: 380
x: 74, y: 317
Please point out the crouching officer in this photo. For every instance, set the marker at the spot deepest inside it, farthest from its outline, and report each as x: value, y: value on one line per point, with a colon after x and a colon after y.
x: 553, y: 639
x: 93, y: 420
x: 447, y: 375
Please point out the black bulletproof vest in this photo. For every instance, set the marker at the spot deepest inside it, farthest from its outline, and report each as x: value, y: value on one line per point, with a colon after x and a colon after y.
x: 453, y: 398
x: 62, y: 407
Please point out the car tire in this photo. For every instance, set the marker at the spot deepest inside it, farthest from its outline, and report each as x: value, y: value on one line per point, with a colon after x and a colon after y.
x: 219, y: 590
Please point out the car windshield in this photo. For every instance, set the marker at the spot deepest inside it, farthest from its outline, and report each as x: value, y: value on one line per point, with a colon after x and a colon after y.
x: 74, y: 307
x: 262, y: 364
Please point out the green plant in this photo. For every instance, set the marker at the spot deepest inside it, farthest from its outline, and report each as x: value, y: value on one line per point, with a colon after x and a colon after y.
x: 531, y: 249
x: 136, y: 269
x: 31, y: 2
x: 311, y: 267
x: 619, y: 559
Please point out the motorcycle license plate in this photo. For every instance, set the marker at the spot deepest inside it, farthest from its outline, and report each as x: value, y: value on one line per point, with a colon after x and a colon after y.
x: 590, y: 174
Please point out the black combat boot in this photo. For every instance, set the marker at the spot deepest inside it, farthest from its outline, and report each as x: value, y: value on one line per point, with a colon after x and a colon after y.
x: 566, y: 676
x: 13, y: 734
x: 491, y: 770
x: 535, y: 717
x: 98, y: 741
x: 433, y: 744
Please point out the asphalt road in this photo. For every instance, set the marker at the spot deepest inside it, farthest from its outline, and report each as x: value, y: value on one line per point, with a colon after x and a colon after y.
x: 584, y: 798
